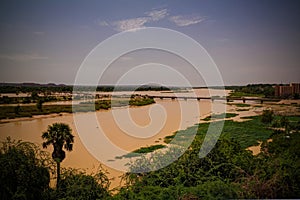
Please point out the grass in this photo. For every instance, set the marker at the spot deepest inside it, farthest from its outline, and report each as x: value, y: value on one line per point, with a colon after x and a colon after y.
x: 246, y: 133
x: 294, y: 120
x: 141, y: 150
x: 169, y: 138
x: 241, y: 109
x: 220, y: 116
x: 142, y: 101
x: 149, y: 149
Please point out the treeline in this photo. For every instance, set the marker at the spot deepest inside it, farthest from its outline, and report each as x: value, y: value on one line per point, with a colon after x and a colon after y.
x: 262, y: 90
x: 61, y: 88
x: 33, y: 98
x: 34, y: 87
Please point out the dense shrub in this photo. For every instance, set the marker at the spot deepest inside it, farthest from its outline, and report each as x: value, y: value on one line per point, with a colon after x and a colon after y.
x: 24, y: 171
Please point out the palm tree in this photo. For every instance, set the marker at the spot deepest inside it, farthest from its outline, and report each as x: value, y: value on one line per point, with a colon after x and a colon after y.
x: 60, y: 136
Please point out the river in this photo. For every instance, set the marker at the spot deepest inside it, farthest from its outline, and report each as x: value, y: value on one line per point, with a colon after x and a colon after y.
x: 151, y: 124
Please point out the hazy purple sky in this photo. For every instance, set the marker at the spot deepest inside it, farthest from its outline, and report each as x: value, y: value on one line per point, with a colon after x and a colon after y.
x: 255, y: 41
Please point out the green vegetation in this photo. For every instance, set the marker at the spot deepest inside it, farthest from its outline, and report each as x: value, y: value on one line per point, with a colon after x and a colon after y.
x: 53, y: 88
x: 142, y: 150
x: 220, y: 116
x: 10, y: 112
x: 229, y: 171
x: 149, y: 149
x: 141, y: 101
x: 33, y: 99
x: 288, y: 123
x: 241, y: 109
x: 77, y: 184
x: 240, y: 104
x: 60, y: 136
x: 169, y: 138
x: 246, y: 133
x: 267, y: 116
x: 106, y: 104
x: 39, y: 105
x: 17, y: 109
x: 252, y: 90
x: 24, y: 170
x: 25, y: 174
x: 244, y: 94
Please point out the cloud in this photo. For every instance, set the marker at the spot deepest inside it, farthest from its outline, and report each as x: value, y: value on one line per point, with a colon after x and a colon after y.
x: 22, y: 57
x: 181, y: 20
x: 157, y: 15
x: 138, y: 22
x: 130, y: 24
x: 103, y: 23
x: 151, y: 16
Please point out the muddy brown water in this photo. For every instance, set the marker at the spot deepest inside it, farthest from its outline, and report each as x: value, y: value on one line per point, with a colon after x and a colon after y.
x: 157, y: 120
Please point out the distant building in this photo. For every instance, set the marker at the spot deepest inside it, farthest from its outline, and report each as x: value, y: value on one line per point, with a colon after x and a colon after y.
x: 277, y: 88
x: 287, y: 90
x: 295, y: 88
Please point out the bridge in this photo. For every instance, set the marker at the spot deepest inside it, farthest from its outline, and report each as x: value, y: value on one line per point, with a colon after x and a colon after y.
x: 213, y: 98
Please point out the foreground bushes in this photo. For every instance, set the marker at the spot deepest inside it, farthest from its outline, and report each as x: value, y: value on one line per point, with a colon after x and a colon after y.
x: 227, y: 172
x: 76, y: 184
x: 24, y: 171
x: 25, y: 174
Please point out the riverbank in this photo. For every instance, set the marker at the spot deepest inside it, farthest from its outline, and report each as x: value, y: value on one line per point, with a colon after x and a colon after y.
x: 242, y: 118
x: 11, y: 112
x: 32, y: 128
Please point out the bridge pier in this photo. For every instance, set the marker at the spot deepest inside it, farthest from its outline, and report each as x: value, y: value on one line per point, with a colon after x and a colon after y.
x: 228, y: 99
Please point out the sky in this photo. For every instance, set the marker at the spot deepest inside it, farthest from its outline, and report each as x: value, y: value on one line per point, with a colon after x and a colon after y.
x: 250, y: 41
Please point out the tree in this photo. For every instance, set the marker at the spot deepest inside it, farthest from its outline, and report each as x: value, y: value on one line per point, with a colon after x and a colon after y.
x: 39, y: 105
x: 77, y: 184
x: 17, y: 109
x: 34, y: 95
x: 24, y: 170
x: 267, y: 116
x: 60, y: 136
x: 285, y: 123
